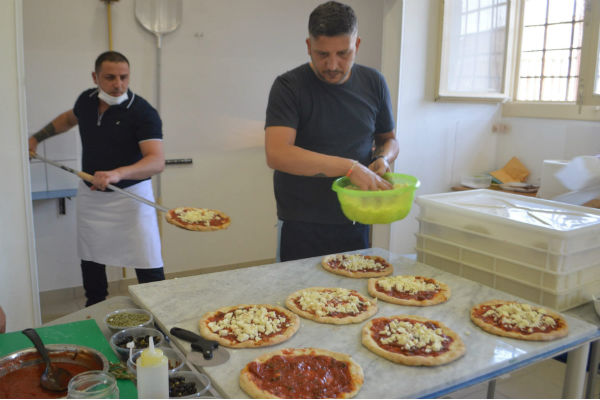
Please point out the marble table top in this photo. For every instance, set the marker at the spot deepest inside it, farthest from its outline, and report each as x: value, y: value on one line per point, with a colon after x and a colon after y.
x: 182, y: 301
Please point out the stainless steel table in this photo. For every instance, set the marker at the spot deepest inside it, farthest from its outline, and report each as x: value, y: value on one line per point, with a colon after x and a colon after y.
x: 182, y: 301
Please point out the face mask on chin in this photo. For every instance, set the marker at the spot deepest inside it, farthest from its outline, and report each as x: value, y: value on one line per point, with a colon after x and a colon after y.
x: 111, y: 100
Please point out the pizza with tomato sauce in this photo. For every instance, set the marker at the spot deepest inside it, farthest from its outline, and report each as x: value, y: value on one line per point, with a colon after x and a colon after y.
x: 412, y: 340
x: 519, y: 320
x: 307, y: 373
x: 249, y: 325
x: 357, y: 265
x: 409, y: 290
x: 331, y: 305
x: 197, y: 219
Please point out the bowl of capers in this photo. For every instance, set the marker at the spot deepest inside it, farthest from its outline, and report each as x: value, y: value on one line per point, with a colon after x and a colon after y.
x: 128, y: 318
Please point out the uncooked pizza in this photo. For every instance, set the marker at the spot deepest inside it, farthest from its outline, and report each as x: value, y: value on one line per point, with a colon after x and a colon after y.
x: 331, y: 305
x: 519, y: 320
x: 307, y: 373
x: 412, y: 340
x: 409, y: 290
x: 197, y: 219
x: 249, y: 325
x: 357, y: 265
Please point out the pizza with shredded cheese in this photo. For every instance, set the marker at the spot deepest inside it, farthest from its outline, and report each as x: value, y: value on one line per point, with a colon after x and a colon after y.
x: 197, y: 219
x: 357, y: 265
x: 519, y: 320
x: 412, y: 340
x: 307, y: 373
x: 331, y: 305
x: 409, y: 290
x: 249, y: 325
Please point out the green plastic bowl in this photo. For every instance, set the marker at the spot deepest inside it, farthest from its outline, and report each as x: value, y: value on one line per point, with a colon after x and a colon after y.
x: 377, y: 207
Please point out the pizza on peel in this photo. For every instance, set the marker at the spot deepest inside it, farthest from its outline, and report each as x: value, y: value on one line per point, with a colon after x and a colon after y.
x: 198, y: 219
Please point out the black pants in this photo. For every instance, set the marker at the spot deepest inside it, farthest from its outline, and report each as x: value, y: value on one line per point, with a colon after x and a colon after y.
x: 303, y: 239
x: 95, y: 283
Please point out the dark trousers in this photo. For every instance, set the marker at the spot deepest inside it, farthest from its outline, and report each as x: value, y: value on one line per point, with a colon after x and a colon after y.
x: 95, y: 283
x: 303, y: 239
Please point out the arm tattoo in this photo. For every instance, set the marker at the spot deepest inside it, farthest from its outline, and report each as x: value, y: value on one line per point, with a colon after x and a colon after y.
x: 45, y: 132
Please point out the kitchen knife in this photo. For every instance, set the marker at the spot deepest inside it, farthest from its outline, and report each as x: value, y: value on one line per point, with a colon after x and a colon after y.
x: 204, y: 352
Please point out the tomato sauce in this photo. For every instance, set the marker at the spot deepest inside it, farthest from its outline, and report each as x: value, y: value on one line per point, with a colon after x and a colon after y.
x: 379, y: 325
x: 420, y: 295
x: 25, y: 382
x: 303, y: 376
x: 513, y: 328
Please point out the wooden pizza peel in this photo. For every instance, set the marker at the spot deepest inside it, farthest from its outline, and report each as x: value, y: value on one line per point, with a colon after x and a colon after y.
x: 89, y: 178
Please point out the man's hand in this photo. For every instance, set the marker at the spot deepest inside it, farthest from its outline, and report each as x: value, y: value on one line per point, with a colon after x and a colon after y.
x: 365, y: 179
x: 103, y: 178
x: 33, y: 143
x: 380, y: 166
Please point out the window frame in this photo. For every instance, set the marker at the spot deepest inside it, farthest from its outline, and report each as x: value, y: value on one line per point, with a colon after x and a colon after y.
x: 442, y: 94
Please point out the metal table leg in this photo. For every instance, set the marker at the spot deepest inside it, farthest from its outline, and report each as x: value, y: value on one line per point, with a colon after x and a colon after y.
x: 591, y: 389
x: 491, y: 390
x: 575, y: 373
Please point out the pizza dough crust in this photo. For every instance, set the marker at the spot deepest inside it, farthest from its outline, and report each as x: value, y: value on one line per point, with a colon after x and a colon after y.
x: 388, y: 268
x: 285, y: 334
x: 456, y: 349
x: 351, y: 319
x: 440, y: 297
x: 253, y: 390
x: 562, y: 331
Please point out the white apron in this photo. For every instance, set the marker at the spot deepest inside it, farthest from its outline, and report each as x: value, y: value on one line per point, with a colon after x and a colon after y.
x: 116, y: 230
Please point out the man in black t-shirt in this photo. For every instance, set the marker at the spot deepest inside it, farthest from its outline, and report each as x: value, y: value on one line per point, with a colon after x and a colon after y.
x: 323, y: 119
x: 121, y: 141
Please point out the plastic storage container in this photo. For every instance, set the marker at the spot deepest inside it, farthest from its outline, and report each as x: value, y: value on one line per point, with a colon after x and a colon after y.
x: 560, y: 292
x: 540, y: 250
x: 526, y: 221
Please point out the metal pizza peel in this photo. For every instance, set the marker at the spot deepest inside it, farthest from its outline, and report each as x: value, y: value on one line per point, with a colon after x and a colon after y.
x: 205, y: 353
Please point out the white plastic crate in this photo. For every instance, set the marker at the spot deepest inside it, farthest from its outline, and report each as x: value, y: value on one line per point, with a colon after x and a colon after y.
x: 558, y: 291
x: 546, y: 225
x: 517, y: 252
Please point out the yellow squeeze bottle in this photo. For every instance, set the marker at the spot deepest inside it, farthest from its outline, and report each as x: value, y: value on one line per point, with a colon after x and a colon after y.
x: 152, y: 373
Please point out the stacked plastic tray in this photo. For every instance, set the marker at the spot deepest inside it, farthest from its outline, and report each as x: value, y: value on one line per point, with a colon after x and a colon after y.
x: 543, y: 251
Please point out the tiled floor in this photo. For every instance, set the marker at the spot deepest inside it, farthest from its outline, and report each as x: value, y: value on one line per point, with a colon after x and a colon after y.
x: 543, y: 380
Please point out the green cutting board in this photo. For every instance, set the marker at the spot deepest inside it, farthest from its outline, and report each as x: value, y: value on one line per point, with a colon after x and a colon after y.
x: 83, y: 333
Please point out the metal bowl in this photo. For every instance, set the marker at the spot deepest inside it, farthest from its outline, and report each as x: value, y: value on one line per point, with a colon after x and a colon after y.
x: 115, y: 328
x: 82, y: 356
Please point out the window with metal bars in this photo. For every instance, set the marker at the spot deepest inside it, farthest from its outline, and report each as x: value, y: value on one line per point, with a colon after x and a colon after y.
x: 550, y: 50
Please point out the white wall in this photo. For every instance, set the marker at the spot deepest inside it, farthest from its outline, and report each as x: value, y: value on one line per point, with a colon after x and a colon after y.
x: 18, y: 280
x: 217, y: 69
x: 438, y: 141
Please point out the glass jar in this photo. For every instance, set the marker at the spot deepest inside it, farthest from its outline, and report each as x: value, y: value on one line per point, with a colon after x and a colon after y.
x: 93, y: 385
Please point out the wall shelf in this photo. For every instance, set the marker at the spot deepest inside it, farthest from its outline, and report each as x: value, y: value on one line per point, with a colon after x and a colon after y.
x: 53, y: 194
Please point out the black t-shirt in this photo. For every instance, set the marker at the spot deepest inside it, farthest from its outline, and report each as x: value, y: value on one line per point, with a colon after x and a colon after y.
x: 340, y: 120
x: 111, y: 140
